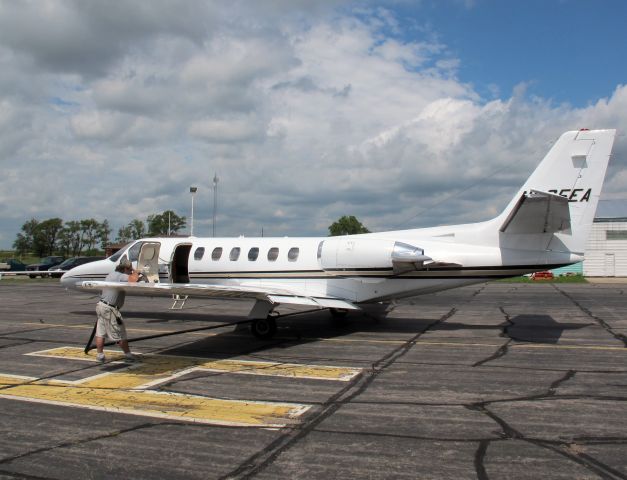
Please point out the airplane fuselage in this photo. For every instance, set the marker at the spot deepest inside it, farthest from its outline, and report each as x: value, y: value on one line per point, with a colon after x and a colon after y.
x: 324, y: 266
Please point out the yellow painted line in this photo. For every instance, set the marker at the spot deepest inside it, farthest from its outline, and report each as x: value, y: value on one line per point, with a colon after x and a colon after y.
x: 351, y: 340
x: 155, y: 404
x: 160, y: 368
x: 467, y: 344
x: 525, y: 345
x: 571, y: 347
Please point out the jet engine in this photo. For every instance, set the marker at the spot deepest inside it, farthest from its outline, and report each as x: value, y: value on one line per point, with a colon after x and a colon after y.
x: 343, y: 254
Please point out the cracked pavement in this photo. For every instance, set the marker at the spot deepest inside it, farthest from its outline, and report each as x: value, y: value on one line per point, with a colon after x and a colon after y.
x: 491, y: 381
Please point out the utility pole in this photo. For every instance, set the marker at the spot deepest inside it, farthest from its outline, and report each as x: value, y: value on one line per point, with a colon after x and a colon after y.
x: 193, y: 191
x: 215, y: 201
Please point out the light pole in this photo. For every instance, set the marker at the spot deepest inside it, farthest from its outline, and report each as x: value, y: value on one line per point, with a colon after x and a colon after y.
x: 215, y: 201
x: 193, y: 191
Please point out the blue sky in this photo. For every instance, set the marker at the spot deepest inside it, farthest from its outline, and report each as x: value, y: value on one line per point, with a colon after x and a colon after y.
x: 564, y: 50
x: 306, y: 110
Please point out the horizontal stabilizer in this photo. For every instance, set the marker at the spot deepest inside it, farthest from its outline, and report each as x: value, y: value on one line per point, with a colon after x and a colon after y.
x: 539, y: 212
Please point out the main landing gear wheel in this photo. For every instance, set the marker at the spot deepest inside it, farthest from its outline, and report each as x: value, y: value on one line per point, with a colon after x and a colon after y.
x: 263, y: 328
x: 339, y: 317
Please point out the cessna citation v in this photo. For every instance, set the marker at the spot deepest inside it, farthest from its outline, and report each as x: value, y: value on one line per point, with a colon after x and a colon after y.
x: 544, y: 226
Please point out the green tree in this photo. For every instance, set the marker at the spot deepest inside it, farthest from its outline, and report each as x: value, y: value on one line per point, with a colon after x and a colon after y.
x: 25, y: 241
x: 132, y: 231
x: 71, y: 236
x: 347, y: 225
x: 138, y: 229
x: 64, y: 242
x: 90, y: 230
x: 164, y: 224
x: 46, y: 236
x: 125, y: 234
x: 104, y: 233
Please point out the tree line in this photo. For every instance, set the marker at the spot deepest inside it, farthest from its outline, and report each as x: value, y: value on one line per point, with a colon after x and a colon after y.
x: 75, y: 237
x: 89, y: 236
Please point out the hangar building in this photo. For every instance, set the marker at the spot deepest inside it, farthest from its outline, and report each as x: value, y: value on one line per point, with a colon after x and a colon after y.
x: 606, y: 250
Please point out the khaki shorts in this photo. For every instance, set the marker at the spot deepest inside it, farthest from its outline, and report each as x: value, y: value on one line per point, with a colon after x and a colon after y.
x: 110, y: 323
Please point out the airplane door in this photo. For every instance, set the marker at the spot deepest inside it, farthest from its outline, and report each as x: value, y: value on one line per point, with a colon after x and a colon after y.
x: 148, y: 261
x: 179, y: 269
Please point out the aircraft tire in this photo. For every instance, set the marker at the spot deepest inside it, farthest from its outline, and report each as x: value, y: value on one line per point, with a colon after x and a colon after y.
x: 339, y: 317
x: 263, y: 328
x: 338, y: 313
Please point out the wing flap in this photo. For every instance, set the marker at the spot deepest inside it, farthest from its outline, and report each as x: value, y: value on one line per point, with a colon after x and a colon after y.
x: 539, y: 212
x: 314, y: 302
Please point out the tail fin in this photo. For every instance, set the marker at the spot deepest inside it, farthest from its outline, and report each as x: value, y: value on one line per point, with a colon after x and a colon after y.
x: 562, y: 194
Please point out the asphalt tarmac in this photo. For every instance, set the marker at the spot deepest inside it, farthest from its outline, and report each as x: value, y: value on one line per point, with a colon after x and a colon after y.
x: 493, y: 381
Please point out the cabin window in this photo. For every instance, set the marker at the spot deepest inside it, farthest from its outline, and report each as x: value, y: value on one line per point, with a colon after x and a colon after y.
x: 200, y: 251
x: 216, y: 254
x: 234, y: 255
x: 292, y: 255
x: 616, y: 234
x: 273, y: 254
x: 253, y: 253
x: 320, y: 249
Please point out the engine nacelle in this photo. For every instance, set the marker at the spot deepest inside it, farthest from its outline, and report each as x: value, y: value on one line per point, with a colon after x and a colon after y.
x: 341, y: 254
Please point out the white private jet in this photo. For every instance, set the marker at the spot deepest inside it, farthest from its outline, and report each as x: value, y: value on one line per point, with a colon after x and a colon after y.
x: 544, y: 226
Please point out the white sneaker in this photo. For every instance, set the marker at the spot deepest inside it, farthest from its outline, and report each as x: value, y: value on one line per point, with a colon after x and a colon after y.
x: 101, y: 357
x: 130, y: 358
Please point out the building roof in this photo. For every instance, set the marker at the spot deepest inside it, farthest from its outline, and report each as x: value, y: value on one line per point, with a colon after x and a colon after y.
x: 610, y: 219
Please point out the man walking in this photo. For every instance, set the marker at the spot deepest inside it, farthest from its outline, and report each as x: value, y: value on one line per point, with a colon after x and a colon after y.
x: 110, y: 323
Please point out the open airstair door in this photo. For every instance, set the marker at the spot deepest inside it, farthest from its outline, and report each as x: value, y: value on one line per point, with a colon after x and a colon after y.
x: 148, y: 261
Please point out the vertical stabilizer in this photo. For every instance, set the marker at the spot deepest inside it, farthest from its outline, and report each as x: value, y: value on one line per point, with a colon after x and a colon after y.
x: 573, y: 169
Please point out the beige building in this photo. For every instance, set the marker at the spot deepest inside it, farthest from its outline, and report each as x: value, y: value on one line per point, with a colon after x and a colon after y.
x: 606, y: 250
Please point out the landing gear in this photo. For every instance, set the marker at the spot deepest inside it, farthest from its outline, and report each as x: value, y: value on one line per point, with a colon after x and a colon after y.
x: 338, y: 313
x: 263, y: 328
x: 339, y: 317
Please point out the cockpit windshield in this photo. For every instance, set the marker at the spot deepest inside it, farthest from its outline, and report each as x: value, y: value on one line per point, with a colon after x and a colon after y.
x: 116, y: 256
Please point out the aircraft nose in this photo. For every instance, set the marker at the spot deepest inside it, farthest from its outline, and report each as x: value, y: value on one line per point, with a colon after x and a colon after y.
x: 72, y: 277
x: 68, y: 280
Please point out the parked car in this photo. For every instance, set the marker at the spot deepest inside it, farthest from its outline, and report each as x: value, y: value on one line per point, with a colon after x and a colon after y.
x: 46, y: 264
x: 70, y: 263
x: 12, y: 265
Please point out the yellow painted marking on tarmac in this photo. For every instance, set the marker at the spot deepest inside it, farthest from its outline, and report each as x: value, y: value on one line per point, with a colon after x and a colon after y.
x: 155, y: 404
x: 525, y: 345
x: 352, y: 340
x: 571, y: 347
x: 159, y: 368
x: 126, y: 390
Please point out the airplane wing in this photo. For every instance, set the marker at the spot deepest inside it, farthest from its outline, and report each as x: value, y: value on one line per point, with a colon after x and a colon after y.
x: 272, y: 295
x: 538, y: 212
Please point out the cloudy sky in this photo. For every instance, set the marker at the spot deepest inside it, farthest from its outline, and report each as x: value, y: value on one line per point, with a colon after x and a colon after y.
x: 403, y: 113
